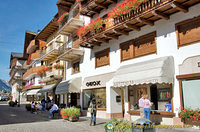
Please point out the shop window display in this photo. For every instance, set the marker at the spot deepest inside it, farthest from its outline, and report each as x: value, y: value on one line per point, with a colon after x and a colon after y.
x: 100, y: 95
x: 159, y: 94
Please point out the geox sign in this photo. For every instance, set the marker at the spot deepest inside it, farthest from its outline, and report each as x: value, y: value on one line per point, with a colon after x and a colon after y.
x: 93, y: 83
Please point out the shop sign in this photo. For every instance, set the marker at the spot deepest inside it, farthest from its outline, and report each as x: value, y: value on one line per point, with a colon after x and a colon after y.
x: 93, y: 83
x: 109, y: 126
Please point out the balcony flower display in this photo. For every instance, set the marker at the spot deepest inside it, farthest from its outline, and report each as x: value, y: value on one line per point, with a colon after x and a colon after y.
x: 48, y: 68
x: 71, y: 114
x: 93, y: 26
x: 58, y: 66
x: 125, y: 7
x: 62, y: 17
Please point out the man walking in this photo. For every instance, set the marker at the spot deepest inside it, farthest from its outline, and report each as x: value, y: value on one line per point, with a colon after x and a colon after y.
x: 141, y: 105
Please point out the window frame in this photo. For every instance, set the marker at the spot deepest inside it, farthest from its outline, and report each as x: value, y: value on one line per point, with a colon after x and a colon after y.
x: 101, y: 52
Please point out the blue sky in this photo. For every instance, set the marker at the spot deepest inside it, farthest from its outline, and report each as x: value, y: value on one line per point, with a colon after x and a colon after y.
x: 17, y: 16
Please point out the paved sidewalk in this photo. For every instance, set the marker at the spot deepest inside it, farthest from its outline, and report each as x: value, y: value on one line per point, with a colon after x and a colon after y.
x: 17, y: 119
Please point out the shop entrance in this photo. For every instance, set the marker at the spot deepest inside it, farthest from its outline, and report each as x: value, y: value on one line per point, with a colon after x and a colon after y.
x: 72, y: 99
x: 154, y: 96
x: 123, y: 102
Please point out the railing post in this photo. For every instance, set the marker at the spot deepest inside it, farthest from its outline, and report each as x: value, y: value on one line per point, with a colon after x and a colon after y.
x: 132, y: 129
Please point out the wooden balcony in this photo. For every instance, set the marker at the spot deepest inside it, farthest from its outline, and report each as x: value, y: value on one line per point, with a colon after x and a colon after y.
x: 32, y: 47
x: 92, y: 7
x: 70, y: 51
x: 146, y: 14
x: 53, y: 75
x: 32, y: 71
x: 35, y: 55
x: 72, y: 22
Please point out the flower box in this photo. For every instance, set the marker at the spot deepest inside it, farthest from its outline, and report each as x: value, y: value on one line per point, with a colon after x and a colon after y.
x: 72, y: 114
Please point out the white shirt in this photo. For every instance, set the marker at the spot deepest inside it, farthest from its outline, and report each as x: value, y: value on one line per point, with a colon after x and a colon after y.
x: 54, y: 107
x: 32, y: 106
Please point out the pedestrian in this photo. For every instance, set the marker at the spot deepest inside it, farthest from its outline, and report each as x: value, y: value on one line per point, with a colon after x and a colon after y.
x: 147, y: 108
x: 32, y: 107
x: 141, y: 105
x: 93, y: 105
x: 43, y: 104
x: 53, y: 109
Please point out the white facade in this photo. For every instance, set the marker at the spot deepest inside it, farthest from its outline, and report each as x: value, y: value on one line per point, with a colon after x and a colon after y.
x: 166, y: 42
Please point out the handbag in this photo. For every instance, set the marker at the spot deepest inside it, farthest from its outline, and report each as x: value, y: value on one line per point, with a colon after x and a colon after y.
x: 90, y: 110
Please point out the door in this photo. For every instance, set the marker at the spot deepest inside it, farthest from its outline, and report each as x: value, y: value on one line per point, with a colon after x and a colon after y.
x: 154, y: 96
x: 122, y: 102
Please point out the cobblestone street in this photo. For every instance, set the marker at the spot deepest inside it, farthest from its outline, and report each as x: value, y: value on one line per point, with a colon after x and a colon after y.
x: 17, y: 119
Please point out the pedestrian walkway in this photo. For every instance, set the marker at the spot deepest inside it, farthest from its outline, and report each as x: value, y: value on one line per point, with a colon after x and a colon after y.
x: 17, y: 119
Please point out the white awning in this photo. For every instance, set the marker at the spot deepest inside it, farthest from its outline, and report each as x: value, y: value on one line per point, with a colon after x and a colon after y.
x: 32, y: 92
x: 72, y: 86
x: 159, y: 70
x: 47, y: 88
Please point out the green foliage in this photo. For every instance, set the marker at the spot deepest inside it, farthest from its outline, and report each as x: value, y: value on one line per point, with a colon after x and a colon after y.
x: 71, y: 112
x: 28, y: 107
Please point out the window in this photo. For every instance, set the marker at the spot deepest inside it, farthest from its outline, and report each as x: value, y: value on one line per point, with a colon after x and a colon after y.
x: 102, y: 58
x: 75, y: 67
x: 188, y: 31
x: 141, y: 46
x: 126, y: 50
x: 159, y: 94
x: 100, y: 95
x: 190, y: 87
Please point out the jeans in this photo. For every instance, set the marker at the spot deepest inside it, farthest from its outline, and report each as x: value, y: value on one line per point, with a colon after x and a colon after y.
x: 147, y: 114
x: 94, y: 113
x: 43, y: 106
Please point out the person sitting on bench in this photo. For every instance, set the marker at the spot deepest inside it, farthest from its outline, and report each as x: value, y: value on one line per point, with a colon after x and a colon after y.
x: 53, y: 109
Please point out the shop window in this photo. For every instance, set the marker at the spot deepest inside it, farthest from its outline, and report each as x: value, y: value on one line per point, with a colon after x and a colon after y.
x: 159, y: 94
x: 100, y: 95
x: 141, y: 46
x: 188, y: 31
x: 190, y: 87
x: 102, y: 58
x: 75, y: 67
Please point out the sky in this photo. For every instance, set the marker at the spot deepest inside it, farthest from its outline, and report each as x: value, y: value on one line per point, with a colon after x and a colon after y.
x: 17, y: 16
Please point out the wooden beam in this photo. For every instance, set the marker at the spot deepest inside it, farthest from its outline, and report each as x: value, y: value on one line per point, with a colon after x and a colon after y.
x: 111, y: 36
x: 64, y: 2
x: 102, y: 40
x: 92, y: 43
x: 148, y: 22
x: 101, y: 5
x: 131, y: 26
x: 161, y: 15
x: 64, y: 7
x: 179, y: 7
x: 113, y: 1
x: 86, y: 46
x: 120, y: 32
x: 92, y: 11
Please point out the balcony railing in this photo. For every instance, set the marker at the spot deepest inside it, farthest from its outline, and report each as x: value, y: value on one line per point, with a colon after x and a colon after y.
x: 70, y: 51
x: 35, y: 55
x: 32, y: 71
x: 53, y: 74
x: 145, y: 14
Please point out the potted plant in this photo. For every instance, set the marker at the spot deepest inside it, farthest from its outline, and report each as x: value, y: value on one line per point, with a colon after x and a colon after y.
x: 190, y: 116
x: 28, y: 107
x: 71, y: 114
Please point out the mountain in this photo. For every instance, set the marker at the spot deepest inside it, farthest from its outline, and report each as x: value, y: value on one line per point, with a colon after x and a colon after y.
x: 4, y: 85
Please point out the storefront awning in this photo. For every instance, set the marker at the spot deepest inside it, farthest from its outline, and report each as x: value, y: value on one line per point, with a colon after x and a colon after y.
x: 47, y: 88
x: 32, y: 92
x: 159, y: 70
x: 71, y: 86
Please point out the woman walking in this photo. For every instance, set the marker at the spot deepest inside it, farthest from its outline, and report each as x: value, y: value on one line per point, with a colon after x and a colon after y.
x: 93, y: 106
x: 147, y: 108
